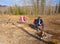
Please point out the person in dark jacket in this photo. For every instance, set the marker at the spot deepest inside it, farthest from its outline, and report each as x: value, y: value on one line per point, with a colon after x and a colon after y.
x: 39, y: 25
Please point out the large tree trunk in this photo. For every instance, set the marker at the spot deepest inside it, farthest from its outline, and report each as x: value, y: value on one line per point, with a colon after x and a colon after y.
x: 42, y: 6
x: 59, y: 6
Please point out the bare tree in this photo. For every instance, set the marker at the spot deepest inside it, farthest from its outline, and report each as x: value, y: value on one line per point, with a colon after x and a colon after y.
x: 35, y: 4
x: 42, y: 6
x: 59, y: 6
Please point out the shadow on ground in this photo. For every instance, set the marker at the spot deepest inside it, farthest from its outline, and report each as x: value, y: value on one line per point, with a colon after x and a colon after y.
x: 32, y: 26
x: 46, y: 42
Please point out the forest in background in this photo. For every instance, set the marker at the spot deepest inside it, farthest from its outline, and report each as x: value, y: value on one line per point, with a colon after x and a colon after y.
x: 37, y: 7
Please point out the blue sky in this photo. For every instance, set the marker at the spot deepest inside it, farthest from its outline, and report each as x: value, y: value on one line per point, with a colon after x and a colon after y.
x: 53, y: 2
x: 20, y: 2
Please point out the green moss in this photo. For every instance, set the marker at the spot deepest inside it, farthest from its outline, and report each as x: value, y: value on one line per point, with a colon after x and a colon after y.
x: 53, y: 41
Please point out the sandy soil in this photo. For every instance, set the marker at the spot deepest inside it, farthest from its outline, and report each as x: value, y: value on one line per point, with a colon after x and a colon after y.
x: 12, y: 32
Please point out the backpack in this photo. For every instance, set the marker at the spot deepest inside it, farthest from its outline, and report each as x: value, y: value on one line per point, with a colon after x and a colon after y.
x: 34, y: 21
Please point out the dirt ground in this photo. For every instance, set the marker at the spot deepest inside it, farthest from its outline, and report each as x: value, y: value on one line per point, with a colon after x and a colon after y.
x: 12, y: 32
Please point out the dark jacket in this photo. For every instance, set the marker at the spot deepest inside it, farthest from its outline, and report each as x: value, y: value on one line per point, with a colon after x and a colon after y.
x: 39, y: 20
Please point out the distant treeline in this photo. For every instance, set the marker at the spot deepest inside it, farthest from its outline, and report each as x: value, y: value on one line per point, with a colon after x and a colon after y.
x: 36, y: 8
